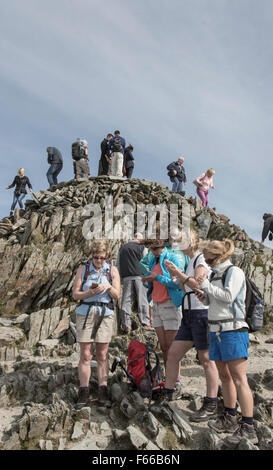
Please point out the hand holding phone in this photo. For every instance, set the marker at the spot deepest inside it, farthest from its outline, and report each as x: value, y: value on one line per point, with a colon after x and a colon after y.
x: 94, y: 285
x: 198, y: 291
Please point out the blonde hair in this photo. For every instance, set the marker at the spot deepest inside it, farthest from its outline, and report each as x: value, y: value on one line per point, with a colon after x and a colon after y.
x: 210, y: 172
x: 101, y: 246
x: 21, y: 172
x: 219, y: 250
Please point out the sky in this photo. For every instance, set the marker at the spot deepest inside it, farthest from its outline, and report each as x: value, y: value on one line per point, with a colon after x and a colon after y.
x: 176, y: 77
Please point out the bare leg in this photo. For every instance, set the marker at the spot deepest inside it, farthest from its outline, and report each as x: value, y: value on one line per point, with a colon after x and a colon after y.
x: 211, y: 373
x: 237, y: 369
x: 176, y: 352
x: 84, y: 368
x: 165, y: 338
x: 228, y: 387
x: 103, y: 363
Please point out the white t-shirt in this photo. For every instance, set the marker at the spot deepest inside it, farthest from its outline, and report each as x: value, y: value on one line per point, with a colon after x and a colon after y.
x: 195, y: 303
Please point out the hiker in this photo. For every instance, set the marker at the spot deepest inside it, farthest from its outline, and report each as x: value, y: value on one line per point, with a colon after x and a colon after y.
x: 129, y: 162
x: 55, y: 160
x: 203, y: 183
x: 95, y: 317
x: 128, y: 259
x: 80, y: 158
x: 177, y: 174
x: 192, y: 331
x: 166, y: 295
x: 117, y: 146
x: 105, y: 158
x: 20, y: 181
x: 268, y: 227
x: 228, y: 339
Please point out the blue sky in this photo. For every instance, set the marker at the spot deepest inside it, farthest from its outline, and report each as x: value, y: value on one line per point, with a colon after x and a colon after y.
x: 177, y: 77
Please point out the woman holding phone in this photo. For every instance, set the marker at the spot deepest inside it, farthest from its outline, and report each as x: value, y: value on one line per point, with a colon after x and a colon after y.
x: 193, y: 331
x: 96, y: 286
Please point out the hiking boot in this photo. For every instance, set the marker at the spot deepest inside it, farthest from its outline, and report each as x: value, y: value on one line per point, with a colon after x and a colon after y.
x: 103, y: 396
x: 207, y: 411
x: 83, y: 397
x: 243, y: 431
x: 166, y: 396
x: 224, y: 423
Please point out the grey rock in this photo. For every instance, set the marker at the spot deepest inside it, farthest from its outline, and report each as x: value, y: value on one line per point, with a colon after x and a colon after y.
x: 9, y: 335
x: 78, y: 431
x: 127, y: 409
x: 116, y: 392
x: 137, y: 438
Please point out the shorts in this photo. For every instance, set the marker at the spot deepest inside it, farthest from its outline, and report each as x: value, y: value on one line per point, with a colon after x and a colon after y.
x: 166, y: 315
x: 233, y: 345
x: 194, y: 327
x: 82, y: 166
x: 104, y: 333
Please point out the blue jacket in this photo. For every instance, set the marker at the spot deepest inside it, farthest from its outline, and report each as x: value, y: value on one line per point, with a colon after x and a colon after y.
x: 174, y: 291
x: 122, y: 141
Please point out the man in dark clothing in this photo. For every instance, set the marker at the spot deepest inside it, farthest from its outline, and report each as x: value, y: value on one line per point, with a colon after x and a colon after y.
x: 128, y: 259
x: 177, y: 174
x: 268, y: 227
x: 55, y: 160
x: 129, y: 161
x: 105, y: 158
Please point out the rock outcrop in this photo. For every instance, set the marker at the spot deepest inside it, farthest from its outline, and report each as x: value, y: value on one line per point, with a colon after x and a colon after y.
x: 39, y: 254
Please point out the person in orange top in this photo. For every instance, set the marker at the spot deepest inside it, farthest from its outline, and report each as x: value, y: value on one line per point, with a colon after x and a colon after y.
x: 166, y: 295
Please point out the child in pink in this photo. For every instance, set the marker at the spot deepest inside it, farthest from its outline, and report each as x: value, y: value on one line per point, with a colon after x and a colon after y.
x: 203, y: 183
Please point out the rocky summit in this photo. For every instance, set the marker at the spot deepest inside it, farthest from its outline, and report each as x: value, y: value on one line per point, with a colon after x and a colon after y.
x: 40, y: 251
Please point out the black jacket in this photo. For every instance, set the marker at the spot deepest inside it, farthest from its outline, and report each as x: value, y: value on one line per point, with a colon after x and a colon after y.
x: 180, y: 172
x: 268, y: 225
x: 129, y: 160
x: 129, y: 257
x: 54, y: 156
x: 20, y: 183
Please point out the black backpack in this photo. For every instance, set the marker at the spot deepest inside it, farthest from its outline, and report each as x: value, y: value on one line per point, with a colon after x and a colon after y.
x: 253, y: 302
x: 117, y: 145
x: 77, y: 151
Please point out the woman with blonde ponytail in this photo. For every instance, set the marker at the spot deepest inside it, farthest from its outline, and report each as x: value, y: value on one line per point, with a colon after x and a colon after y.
x: 225, y: 295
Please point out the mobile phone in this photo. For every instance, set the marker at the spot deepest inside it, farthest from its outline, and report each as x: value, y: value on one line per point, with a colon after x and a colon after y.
x: 94, y: 285
x: 198, y: 291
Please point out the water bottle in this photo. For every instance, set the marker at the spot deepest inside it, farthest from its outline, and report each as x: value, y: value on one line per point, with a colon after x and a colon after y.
x: 257, y: 316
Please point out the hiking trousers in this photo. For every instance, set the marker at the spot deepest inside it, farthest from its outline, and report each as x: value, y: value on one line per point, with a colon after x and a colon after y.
x: 134, y: 286
x: 116, y: 165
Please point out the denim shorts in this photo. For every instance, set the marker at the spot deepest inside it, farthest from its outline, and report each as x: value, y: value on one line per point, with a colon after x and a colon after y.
x: 194, y: 327
x: 232, y: 345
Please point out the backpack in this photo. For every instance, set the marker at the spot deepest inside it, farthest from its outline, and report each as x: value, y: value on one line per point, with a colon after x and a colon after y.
x: 77, y: 151
x: 146, y: 380
x: 253, y: 302
x: 117, y: 146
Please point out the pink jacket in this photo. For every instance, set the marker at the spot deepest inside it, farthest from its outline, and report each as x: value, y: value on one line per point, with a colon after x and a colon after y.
x: 206, y: 181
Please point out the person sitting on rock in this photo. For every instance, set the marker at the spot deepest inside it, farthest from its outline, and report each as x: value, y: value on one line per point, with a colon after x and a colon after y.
x: 228, y: 339
x: 192, y: 331
x: 96, y: 285
x: 268, y: 227
x: 203, y: 183
x: 20, y: 181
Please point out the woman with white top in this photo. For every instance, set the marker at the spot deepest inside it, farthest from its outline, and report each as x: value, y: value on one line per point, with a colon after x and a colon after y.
x: 229, y: 339
x: 193, y: 331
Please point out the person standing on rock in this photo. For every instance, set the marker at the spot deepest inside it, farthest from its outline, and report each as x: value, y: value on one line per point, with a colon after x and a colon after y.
x: 129, y: 161
x: 20, y: 181
x: 203, y: 183
x: 80, y: 158
x: 96, y: 285
x: 55, y: 160
x: 105, y: 158
x: 192, y: 331
x: 128, y: 262
x: 165, y: 294
x: 176, y: 172
x: 228, y: 339
x: 117, y: 146
x: 268, y: 227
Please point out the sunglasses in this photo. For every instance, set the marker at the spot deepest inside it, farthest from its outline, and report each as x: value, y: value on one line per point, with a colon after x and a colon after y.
x: 99, y: 257
x: 157, y: 248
